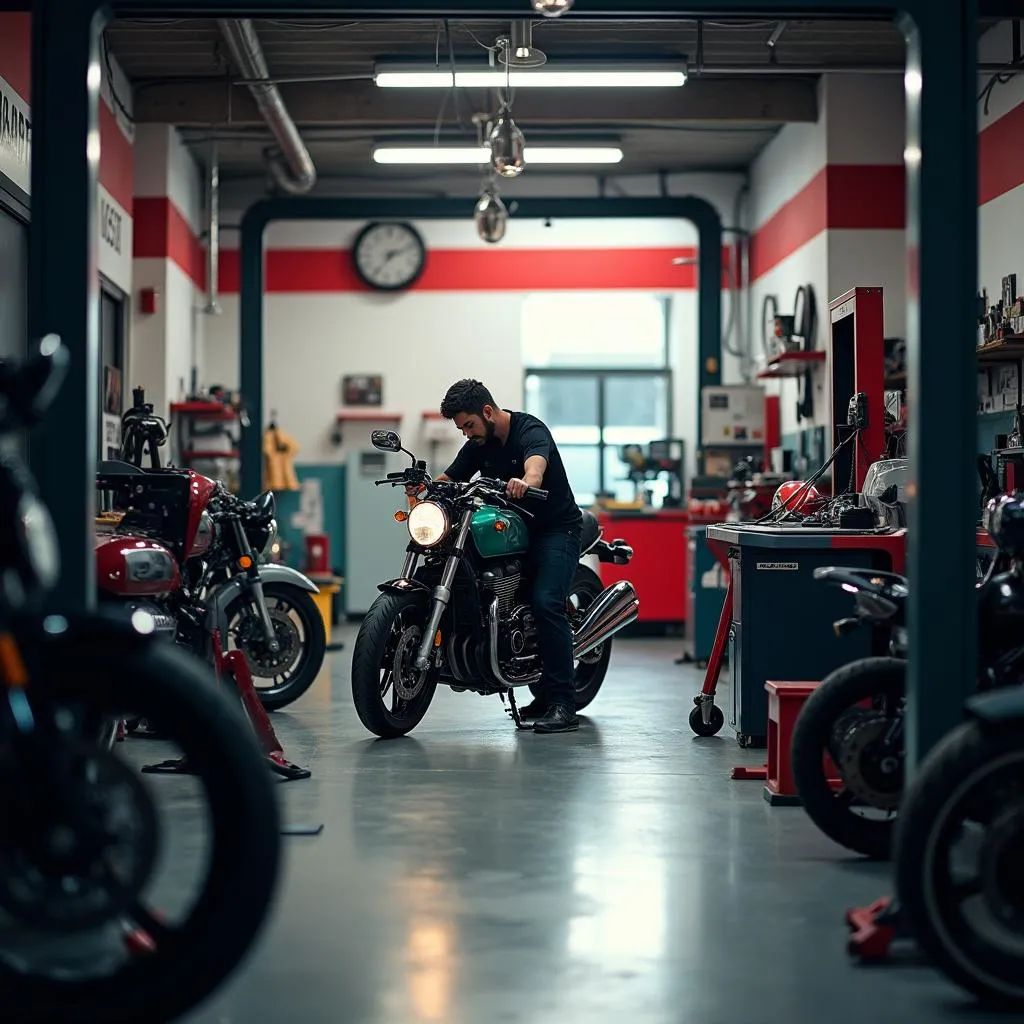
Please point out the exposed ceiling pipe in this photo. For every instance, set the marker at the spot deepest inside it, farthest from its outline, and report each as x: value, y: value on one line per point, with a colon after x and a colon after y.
x: 213, y: 228
x: 293, y: 169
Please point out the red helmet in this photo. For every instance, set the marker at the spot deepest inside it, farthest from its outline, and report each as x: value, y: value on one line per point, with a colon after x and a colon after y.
x: 795, y: 496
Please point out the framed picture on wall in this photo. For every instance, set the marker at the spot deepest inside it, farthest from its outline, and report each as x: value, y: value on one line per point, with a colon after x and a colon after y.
x: 362, y: 389
x: 112, y: 394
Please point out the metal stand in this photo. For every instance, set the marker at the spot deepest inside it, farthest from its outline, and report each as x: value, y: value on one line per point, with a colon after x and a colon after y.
x: 513, y: 710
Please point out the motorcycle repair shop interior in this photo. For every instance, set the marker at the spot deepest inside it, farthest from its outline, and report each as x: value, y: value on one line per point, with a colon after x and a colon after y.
x: 263, y: 739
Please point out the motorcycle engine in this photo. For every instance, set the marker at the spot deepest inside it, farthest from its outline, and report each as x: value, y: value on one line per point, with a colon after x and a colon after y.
x: 517, y: 641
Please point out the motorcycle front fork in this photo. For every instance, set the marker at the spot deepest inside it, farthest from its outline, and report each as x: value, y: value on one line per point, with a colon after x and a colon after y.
x: 255, y: 586
x: 442, y: 596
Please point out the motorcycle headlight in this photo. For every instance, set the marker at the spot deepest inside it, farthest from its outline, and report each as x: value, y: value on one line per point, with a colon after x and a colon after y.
x: 428, y: 524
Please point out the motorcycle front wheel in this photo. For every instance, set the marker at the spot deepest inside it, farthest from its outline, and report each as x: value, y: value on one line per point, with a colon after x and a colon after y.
x: 834, y: 731
x: 280, y: 677
x: 390, y: 696
x: 958, y: 851
x: 193, y: 955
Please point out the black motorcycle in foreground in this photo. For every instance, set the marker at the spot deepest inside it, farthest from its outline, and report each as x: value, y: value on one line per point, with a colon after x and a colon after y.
x: 959, y: 850
x: 81, y: 837
x: 462, y: 617
x: 852, y: 725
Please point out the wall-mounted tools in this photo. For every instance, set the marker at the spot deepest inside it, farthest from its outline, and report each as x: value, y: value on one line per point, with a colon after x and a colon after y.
x: 783, y: 333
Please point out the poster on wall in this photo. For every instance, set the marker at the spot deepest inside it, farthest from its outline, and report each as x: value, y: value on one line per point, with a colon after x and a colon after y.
x: 362, y: 389
x: 110, y: 441
x: 112, y: 390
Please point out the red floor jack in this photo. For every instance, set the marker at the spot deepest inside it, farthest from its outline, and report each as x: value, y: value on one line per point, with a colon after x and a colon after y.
x: 232, y: 667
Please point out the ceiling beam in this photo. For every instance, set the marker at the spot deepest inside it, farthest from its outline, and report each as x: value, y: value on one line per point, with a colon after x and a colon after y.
x: 749, y: 100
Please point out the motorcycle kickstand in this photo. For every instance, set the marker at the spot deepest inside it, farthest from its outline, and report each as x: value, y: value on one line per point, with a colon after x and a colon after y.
x: 513, y: 710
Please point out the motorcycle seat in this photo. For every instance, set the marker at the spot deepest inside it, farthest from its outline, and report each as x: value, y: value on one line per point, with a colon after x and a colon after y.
x: 113, y: 467
x: 591, y: 531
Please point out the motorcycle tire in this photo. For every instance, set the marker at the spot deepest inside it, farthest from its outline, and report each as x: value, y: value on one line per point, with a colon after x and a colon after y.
x: 956, y: 773
x: 198, y: 954
x: 589, y: 674
x: 838, y: 692
x: 372, y: 648
x: 273, y: 698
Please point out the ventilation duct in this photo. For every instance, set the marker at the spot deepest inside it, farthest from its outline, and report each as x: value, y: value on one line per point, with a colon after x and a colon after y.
x: 291, y: 166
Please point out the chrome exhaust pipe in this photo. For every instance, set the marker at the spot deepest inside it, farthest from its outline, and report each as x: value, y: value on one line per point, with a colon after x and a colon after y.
x: 615, y: 608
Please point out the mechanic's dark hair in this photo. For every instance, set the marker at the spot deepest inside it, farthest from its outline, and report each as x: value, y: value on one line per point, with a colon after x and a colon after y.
x: 468, y: 396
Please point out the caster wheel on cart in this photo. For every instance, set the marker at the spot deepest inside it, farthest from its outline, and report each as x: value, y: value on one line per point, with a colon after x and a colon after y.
x: 702, y: 728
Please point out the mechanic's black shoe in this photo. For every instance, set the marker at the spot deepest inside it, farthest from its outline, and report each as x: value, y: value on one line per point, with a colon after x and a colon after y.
x: 537, y: 708
x: 560, y: 718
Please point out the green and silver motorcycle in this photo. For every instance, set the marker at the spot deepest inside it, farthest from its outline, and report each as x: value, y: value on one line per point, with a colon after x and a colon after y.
x: 459, y: 612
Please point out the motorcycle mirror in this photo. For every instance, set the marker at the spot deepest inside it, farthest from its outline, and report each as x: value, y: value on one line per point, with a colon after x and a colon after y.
x: 386, y: 440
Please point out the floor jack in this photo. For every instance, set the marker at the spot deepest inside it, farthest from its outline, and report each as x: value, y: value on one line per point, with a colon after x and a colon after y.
x: 233, y: 670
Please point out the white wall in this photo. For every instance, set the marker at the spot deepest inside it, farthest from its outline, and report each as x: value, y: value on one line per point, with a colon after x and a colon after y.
x: 167, y: 345
x: 1001, y: 220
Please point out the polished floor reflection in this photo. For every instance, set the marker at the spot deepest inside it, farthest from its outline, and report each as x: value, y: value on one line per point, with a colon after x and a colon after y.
x: 472, y: 875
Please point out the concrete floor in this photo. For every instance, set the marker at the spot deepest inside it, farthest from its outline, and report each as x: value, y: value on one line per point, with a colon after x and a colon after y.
x: 472, y: 875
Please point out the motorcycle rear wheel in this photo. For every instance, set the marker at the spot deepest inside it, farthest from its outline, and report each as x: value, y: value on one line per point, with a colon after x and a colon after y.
x: 196, y: 955
x: 388, y: 637
x: 831, y: 810
x: 973, y: 777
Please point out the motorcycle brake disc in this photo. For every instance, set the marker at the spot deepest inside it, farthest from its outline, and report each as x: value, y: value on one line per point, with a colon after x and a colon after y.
x: 264, y: 663
x: 407, y: 681
x: 871, y: 768
x: 72, y: 875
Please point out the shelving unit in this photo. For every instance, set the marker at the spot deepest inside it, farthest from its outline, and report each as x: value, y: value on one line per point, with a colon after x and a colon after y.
x: 790, y: 364
x: 192, y: 450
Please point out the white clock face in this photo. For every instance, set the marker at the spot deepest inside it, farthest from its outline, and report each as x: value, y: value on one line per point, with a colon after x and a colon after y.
x: 389, y: 256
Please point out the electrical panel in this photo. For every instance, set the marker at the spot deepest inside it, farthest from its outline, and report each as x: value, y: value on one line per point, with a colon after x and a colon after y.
x: 732, y: 414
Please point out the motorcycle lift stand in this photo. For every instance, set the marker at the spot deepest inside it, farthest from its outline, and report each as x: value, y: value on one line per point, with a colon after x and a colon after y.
x: 232, y: 667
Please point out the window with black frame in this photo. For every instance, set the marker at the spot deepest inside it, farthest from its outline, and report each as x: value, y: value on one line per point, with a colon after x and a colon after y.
x: 597, y: 373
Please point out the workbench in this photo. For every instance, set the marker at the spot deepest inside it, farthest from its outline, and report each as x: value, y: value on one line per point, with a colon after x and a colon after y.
x: 780, y: 626
x: 658, y: 568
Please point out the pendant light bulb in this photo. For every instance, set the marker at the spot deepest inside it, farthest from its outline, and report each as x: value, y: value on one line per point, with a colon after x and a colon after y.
x: 491, y: 217
x: 507, y: 147
x: 552, y: 8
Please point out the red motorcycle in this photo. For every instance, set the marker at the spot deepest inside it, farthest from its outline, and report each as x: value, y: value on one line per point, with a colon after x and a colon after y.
x: 147, y: 578
x: 196, y: 563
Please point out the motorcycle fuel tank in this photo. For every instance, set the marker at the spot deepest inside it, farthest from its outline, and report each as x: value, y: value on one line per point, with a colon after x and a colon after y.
x: 498, y: 533
x: 132, y: 566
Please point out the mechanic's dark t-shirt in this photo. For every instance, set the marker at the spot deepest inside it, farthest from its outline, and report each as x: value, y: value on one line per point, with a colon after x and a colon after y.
x: 527, y: 436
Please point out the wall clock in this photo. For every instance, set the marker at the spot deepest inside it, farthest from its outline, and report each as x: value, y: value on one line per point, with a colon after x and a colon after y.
x: 389, y: 256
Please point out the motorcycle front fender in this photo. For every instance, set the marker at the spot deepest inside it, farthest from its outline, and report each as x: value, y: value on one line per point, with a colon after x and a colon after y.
x: 1004, y: 706
x: 218, y: 602
x: 403, y: 586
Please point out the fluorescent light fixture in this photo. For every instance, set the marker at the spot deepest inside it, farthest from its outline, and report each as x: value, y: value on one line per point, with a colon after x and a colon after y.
x: 475, y: 155
x: 406, y: 77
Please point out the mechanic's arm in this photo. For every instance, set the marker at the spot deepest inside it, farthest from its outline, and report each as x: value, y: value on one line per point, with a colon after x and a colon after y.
x: 533, y: 476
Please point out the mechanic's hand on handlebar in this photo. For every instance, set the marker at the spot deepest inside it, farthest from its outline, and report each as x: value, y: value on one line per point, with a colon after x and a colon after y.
x: 516, y: 488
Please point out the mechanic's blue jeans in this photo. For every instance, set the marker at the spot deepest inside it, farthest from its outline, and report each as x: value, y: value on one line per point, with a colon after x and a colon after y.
x: 554, y: 556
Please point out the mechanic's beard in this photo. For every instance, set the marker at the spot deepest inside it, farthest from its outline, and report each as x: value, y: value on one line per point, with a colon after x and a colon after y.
x: 488, y: 433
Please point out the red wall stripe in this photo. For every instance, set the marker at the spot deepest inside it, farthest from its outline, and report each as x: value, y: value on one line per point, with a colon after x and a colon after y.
x: 493, y: 270
x: 117, y: 160
x: 869, y: 197
x: 161, y: 232
x: 1001, y: 155
x: 16, y: 52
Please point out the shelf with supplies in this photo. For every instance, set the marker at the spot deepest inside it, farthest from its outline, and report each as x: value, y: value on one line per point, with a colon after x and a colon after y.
x: 790, y: 364
x: 1008, y: 348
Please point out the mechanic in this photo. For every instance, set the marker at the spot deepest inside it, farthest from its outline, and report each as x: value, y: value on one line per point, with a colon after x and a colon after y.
x: 518, y: 447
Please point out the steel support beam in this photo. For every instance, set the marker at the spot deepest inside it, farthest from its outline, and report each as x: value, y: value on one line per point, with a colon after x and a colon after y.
x: 361, y: 104
x: 254, y: 224
x: 942, y: 223
x: 64, y: 276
